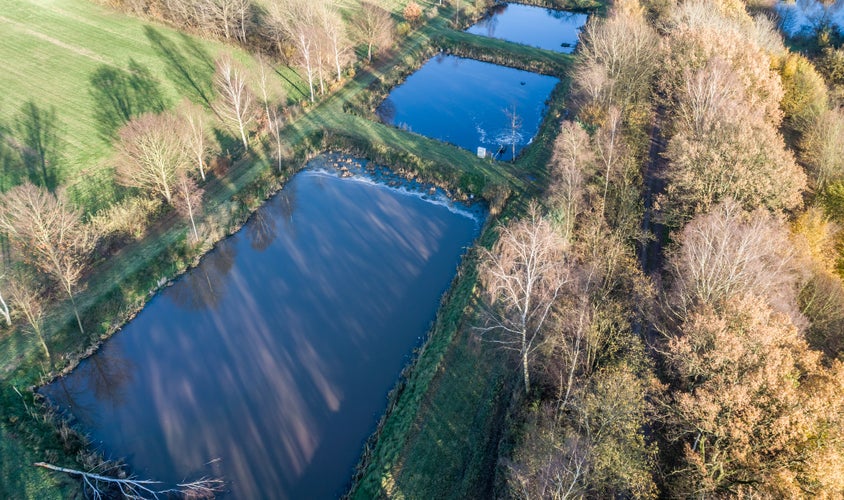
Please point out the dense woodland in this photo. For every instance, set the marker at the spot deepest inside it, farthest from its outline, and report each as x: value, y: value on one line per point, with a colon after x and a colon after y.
x: 711, y: 365
x: 673, y: 300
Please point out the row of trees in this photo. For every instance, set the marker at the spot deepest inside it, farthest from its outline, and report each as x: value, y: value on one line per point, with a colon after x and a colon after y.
x: 563, y: 289
x: 311, y: 34
x: 731, y: 358
x: 752, y: 393
x: 166, y: 157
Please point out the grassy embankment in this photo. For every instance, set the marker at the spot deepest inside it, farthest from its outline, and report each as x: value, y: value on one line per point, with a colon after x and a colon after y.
x: 120, y: 285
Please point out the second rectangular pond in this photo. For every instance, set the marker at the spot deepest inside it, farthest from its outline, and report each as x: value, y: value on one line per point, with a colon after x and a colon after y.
x: 548, y: 29
x: 471, y: 104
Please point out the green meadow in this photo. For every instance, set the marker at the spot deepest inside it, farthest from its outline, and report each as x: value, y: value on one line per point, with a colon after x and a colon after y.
x: 87, y: 68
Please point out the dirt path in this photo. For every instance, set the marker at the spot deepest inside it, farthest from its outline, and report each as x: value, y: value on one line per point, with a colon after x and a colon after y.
x: 651, y: 254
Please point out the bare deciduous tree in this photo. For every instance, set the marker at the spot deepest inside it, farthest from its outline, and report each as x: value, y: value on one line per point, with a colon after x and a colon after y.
x: 296, y: 21
x: 151, y: 151
x: 101, y: 486
x: 707, y: 95
x: 730, y: 252
x: 334, y: 31
x: 27, y: 299
x: 373, y: 26
x: 609, y: 145
x: 571, y: 163
x: 49, y: 234
x: 237, y: 103
x: 196, y: 135
x: 822, y: 148
x: 617, y: 60
x: 188, y: 200
x: 4, y: 308
x: 275, y: 125
x: 522, y: 277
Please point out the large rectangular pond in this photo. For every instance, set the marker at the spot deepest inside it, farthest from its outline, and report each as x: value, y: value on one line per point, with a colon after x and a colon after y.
x: 470, y: 103
x: 269, y: 364
x: 548, y: 29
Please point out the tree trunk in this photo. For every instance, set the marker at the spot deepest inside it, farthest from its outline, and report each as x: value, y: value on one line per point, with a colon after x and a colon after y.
x: 201, y: 166
x: 44, y: 346
x: 4, y: 311
x: 525, y: 370
x: 369, y: 51
x: 243, y: 134
x: 76, y: 311
x: 192, y: 223
x: 337, y: 61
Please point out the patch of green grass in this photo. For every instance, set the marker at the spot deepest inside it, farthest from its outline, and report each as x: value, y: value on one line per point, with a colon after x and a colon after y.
x: 19, y: 479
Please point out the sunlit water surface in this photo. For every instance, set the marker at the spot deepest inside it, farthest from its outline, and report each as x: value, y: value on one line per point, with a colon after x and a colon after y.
x: 470, y: 103
x: 548, y: 29
x: 270, y: 363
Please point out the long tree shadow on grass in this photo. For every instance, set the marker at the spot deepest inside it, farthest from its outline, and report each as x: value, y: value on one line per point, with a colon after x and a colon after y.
x: 39, y: 145
x: 186, y: 64
x: 11, y: 169
x: 119, y: 95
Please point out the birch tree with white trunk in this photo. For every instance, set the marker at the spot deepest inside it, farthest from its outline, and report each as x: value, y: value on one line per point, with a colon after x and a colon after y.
x: 296, y: 21
x: 521, y: 278
x: 236, y: 102
x: 196, y: 135
x: 4, y: 308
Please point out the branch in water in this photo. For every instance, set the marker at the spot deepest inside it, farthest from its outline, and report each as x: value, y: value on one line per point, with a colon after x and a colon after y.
x: 138, y: 488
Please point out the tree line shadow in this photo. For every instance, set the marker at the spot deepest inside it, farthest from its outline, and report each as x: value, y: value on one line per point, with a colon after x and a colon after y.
x: 31, y: 147
x: 121, y: 94
x: 186, y: 64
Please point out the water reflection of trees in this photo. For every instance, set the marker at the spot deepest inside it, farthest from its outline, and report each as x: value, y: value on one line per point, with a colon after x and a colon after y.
x: 108, y: 373
x: 386, y: 111
x: 204, y: 286
x: 808, y: 17
x: 261, y: 230
x: 490, y: 21
x: 105, y: 375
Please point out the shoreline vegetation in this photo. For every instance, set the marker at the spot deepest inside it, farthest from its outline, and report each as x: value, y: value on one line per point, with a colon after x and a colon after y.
x: 119, y: 288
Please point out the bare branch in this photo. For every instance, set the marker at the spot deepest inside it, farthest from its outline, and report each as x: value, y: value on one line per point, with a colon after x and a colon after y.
x: 98, y: 485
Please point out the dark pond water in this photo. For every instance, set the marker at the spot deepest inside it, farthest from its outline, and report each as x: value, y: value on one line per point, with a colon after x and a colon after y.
x: 806, y: 17
x: 470, y: 103
x: 270, y: 362
x: 548, y: 29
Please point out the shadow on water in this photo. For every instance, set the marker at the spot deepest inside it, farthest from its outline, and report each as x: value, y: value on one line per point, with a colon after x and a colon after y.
x: 262, y: 231
x: 272, y: 359
x: 119, y: 95
x: 186, y: 64
x: 204, y: 287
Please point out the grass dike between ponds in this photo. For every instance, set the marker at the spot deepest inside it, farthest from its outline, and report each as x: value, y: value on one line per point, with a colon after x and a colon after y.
x: 439, y: 439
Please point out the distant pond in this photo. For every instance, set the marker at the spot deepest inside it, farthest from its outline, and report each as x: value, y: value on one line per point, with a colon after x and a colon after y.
x: 269, y: 364
x: 469, y: 103
x: 805, y: 17
x: 549, y: 29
